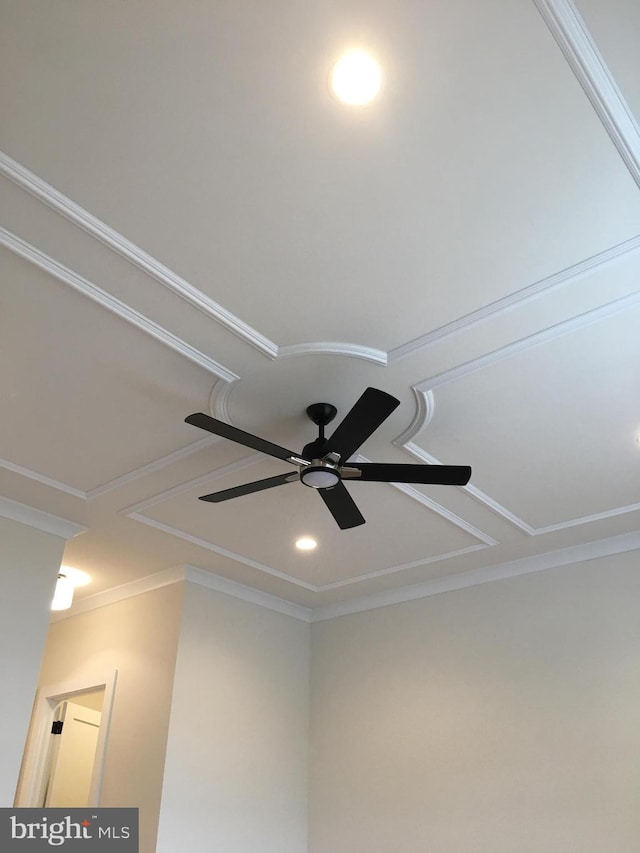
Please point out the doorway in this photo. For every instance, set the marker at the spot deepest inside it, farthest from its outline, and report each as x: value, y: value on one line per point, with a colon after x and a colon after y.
x: 72, y: 750
x: 66, y: 747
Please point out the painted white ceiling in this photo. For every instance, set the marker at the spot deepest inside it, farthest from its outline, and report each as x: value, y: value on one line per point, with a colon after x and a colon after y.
x: 192, y: 223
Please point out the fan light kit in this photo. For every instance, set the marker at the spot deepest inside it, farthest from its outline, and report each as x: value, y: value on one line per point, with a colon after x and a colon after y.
x: 355, y: 78
x: 323, y: 464
x: 306, y: 543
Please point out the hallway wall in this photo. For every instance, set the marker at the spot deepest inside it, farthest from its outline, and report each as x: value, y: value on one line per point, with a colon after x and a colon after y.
x: 139, y: 637
x: 29, y: 564
x: 236, y: 767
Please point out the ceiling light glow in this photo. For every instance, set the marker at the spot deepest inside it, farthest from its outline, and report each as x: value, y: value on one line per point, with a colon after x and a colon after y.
x: 63, y: 595
x: 68, y: 579
x: 306, y: 543
x: 76, y: 576
x: 355, y: 78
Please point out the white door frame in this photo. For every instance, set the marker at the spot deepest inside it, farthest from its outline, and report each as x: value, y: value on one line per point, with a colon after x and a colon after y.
x: 31, y: 783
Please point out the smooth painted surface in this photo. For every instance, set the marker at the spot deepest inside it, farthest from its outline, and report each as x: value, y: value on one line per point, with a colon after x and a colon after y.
x: 497, y: 718
x: 139, y: 638
x: 29, y: 563
x: 191, y: 222
x: 236, y: 765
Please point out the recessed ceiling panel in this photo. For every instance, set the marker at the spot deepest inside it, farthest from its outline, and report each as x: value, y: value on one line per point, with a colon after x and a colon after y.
x: 86, y: 396
x: 551, y: 432
x: 263, y: 527
x: 206, y: 134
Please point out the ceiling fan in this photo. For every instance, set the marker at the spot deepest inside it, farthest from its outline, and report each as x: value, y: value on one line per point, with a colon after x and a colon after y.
x: 323, y: 464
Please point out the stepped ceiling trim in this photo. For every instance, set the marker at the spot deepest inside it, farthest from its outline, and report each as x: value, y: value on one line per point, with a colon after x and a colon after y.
x: 581, y: 52
x: 45, y: 521
x: 115, y: 306
x: 74, y: 213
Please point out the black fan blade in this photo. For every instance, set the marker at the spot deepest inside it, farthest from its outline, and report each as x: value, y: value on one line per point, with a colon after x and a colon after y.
x: 367, y: 414
x: 248, y: 488
x: 342, y: 506
x: 240, y: 436
x: 444, y: 475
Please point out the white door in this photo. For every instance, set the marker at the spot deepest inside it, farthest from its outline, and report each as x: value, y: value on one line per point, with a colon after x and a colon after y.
x: 74, y: 756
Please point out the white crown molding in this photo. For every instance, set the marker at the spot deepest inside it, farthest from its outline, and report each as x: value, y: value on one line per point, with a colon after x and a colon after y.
x: 377, y: 356
x: 152, y: 467
x: 502, y: 571
x: 587, y: 519
x: 223, y: 552
x: 71, y: 211
x: 44, y: 521
x: 437, y: 586
x: 115, y: 306
x: 189, y: 485
x: 186, y: 574
x: 581, y: 52
x: 218, y: 400
x: 54, y: 199
x: 515, y: 300
x: 393, y: 570
x: 421, y: 454
x: 120, y: 593
x: 209, y: 546
x: 40, y: 478
x: 425, y: 408
x: 218, y: 583
x: 136, y: 512
x: 565, y: 327
x: 434, y: 506
x: 445, y: 513
x: 497, y: 508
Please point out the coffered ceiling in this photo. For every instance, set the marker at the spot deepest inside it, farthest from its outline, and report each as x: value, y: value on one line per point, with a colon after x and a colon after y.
x: 191, y: 222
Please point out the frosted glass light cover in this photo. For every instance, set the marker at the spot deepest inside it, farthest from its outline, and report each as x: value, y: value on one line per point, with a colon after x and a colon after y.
x: 63, y: 595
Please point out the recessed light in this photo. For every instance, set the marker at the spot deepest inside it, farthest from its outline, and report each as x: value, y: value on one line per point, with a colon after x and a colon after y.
x: 355, y: 78
x: 306, y: 543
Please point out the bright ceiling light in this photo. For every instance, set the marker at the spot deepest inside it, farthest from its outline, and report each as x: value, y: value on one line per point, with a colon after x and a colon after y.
x: 68, y: 579
x: 76, y: 576
x: 306, y: 543
x: 63, y: 595
x: 355, y: 78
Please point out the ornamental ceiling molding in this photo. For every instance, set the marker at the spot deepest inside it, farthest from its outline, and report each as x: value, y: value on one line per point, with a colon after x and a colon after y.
x: 74, y: 213
x: 427, y: 386
x: 437, y: 586
x: 87, y: 288
x: 45, y: 521
x: 137, y: 512
x: 587, y: 63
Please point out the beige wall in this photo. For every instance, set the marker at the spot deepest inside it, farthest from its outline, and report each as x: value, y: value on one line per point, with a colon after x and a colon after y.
x: 499, y: 718
x: 29, y: 564
x: 139, y: 638
x: 236, y: 766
